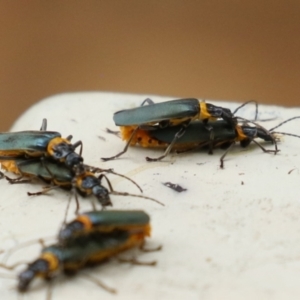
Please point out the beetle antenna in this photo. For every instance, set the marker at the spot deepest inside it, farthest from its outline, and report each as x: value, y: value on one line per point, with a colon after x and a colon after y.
x: 286, y: 121
x: 244, y: 104
x: 135, y: 195
x: 118, y: 174
x: 22, y: 245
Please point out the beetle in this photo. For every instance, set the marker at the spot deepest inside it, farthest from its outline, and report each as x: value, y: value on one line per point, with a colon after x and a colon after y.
x: 162, y: 137
x: 179, y: 113
x: 196, y: 136
x: 225, y: 135
x: 103, y: 221
x: 173, y: 112
x: 83, y: 180
x: 33, y: 144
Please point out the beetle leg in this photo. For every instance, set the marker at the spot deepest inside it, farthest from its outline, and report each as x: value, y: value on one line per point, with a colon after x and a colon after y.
x: 49, y: 290
x: 46, y: 167
x: 143, y: 249
x: 107, y: 180
x: 265, y: 150
x: 125, y: 148
x: 93, y: 202
x: 78, y: 143
x: 179, y: 134
x: 77, y: 202
x: 134, y: 261
x: 43, y: 192
x: 211, y: 138
x: 74, y: 193
x: 69, y: 137
x: 223, y: 156
x: 42, y: 243
x: 12, y: 267
x: 148, y: 101
x: 44, y: 125
x: 17, y: 180
x: 99, y: 283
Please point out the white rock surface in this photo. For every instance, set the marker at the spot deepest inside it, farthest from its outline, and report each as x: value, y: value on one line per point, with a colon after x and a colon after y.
x: 234, y: 234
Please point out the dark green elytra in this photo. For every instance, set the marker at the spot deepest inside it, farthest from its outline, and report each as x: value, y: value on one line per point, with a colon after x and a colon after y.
x: 36, y: 167
x: 88, y: 246
x: 103, y: 221
x: 26, y: 140
x: 173, y: 109
x: 196, y: 132
x: 118, y: 218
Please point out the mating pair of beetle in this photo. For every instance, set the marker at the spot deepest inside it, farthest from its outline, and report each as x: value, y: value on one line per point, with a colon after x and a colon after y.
x: 189, y: 123
x: 90, y: 239
x: 46, y: 155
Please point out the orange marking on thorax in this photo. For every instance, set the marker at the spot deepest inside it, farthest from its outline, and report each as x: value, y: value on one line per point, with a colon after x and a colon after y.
x: 86, y: 221
x: 52, y: 261
x: 240, y: 134
x: 204, y: 114
x: 54, y: 142
x: 79, y: 180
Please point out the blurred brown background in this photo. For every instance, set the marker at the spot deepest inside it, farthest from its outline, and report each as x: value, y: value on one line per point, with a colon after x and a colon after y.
x: 233, y: 50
